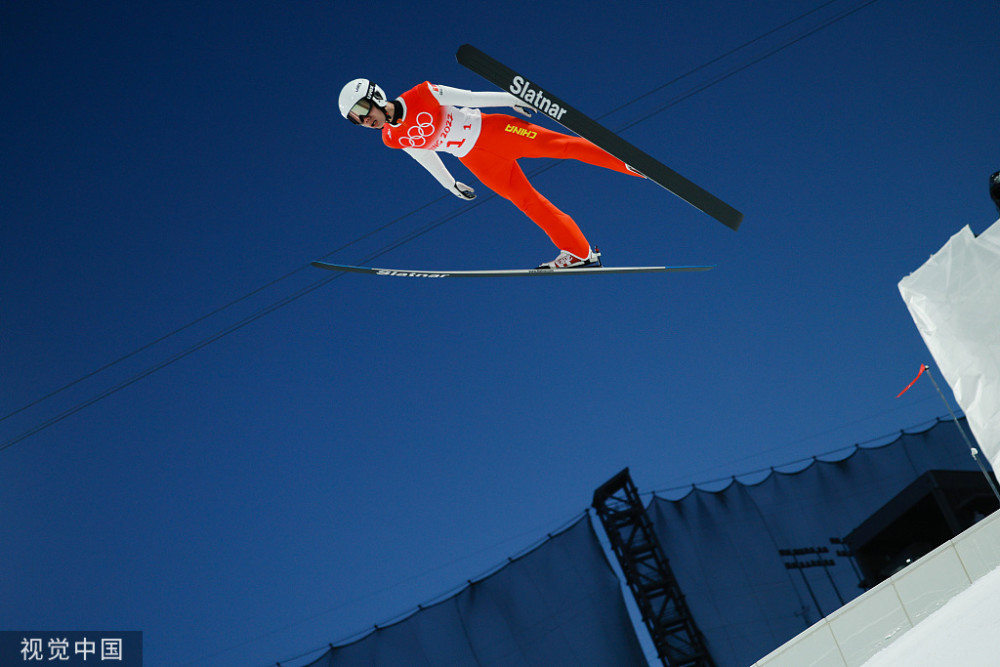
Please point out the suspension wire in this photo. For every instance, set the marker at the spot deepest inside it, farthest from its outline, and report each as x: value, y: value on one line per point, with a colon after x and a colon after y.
x: 394, y: 244
x: 267, y: 310
x: 147, y: 346
x: 214, y: 312
x: 163, y: 364
x: 718, y: 58
x: 736, y: 70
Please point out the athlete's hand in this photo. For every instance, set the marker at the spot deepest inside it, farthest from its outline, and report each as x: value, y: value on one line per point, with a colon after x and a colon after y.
x: 525, y: 111
x: 463, y: 191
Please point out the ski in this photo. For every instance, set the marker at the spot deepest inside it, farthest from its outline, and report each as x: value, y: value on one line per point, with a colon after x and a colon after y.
x: 503, y: 273
x: 533, y: 95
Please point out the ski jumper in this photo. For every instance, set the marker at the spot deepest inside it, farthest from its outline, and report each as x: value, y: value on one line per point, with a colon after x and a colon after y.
x: 441, y: 119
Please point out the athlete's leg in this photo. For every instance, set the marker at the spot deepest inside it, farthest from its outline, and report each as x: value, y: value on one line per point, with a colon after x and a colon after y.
x: 518, y: 138
x: 505, y: 177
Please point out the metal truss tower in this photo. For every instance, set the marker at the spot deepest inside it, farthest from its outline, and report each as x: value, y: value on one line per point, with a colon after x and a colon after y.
x: 647, y: 571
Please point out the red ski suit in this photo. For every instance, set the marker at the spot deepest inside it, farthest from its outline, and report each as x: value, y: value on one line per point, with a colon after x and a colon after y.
x: 489, y: 145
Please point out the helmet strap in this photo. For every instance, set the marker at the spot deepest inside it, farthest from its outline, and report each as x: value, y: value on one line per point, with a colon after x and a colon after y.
x: 398, y: 110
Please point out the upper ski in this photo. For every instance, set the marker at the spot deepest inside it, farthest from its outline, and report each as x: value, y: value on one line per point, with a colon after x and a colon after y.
x: 534, y: 95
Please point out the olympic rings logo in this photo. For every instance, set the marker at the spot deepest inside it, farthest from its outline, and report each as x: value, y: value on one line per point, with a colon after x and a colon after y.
x: 416, y: 136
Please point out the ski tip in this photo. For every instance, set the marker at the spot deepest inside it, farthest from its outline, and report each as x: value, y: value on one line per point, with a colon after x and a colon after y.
x: 725, y: 214
x: 329, y: 266
x: 321, y: 265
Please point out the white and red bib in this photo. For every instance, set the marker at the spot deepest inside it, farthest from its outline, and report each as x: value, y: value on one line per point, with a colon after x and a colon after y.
x: 429, y: 125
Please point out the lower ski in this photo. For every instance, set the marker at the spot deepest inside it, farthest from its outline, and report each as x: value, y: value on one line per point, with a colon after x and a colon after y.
x: 504, y: 273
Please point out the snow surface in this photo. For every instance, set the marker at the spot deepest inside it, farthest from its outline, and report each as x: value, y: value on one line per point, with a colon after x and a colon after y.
x: 959, y: 634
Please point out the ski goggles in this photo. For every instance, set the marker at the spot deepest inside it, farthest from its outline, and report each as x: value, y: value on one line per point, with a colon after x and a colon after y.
x: 360, y: 111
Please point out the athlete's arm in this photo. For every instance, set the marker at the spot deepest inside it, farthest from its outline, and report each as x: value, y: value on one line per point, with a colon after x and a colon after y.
x: 457, y: 97
x: 430, y: 161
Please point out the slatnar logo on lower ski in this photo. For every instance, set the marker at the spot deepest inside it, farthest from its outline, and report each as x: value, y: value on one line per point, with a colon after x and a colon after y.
x: 535, y: 97
x: 410, y: 274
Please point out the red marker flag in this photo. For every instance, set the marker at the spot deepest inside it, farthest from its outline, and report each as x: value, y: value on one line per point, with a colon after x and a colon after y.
x: 922, y: 369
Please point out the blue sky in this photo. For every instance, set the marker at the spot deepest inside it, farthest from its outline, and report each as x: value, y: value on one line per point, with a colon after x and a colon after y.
x: 377, y: 442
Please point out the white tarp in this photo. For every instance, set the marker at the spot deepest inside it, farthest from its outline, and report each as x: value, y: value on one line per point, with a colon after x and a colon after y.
x: 954, y: 299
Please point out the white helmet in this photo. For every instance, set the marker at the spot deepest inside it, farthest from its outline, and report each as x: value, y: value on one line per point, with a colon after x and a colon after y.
x: 360, y: 91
